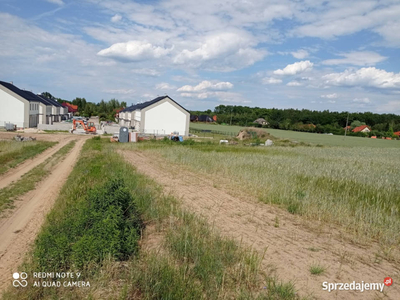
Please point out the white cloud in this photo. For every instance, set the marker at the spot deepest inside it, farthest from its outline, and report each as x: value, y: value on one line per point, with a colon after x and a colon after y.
x: 206, y: 85
x: 296, y: 68
x: 221, y: 51
x: 134, y: 51
x: 390, y: 32
x: 58, y: 2
x: 120, y: 91
x: 330, y: 96
x: 366, y: 77
x: 331, y: 101
x: 271, y: 80
x: 390, y: 107
x: 300, y: 54
x: 165, y: 86
x: 343, y: 18
x: 358, y: 58
x: 146, y: 72
x: 227, y: 97
x: 293, y: 83
x: 116, y: 18
x: 362, y: 100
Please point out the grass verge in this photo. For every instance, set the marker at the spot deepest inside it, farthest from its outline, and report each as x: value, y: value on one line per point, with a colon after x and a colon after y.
x: 189, y: 260
x: 13, y: 153
x: 30, y: 179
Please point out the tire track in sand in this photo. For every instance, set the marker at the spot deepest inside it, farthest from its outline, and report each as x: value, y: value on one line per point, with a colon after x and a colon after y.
x: 16, y: 173
x: 19, y: 229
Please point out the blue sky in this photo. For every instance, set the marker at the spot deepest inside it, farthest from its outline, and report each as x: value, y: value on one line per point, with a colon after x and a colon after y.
x: 336, y: 55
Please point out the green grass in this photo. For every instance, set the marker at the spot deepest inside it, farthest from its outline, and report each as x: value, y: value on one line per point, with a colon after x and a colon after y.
x: 313, y: 138
x: 13, y: 153
x: 193, y: 260
x: 355, y: 188
x: 317, y: 269
x: 29, y: 180
x: 55, y: 131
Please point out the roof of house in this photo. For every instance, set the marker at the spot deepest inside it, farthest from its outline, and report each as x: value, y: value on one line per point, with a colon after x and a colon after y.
x: 260, y: 120
x: 52, y: 101
x: 27, y: 95
x: 361, y: 128
x: 397, y: 133
x: 71, y: 107
x: 140, y: 106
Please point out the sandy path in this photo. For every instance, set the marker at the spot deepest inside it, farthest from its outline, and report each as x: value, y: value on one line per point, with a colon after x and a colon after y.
x: 14, y: 174
x: 291, y: 247
x: 19, y: 229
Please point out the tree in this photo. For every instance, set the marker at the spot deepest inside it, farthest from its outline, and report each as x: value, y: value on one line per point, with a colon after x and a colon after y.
x: 356, y: 123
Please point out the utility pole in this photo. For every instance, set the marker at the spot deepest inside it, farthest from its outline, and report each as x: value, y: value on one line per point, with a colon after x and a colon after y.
x: 347, y: 124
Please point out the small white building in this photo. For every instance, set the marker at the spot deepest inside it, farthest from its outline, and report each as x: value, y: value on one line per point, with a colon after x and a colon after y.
x: 25, y: 109
x: 160, y: 116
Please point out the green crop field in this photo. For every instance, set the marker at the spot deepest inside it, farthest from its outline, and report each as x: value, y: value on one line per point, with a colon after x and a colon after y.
x: 355, y: 188
x: 313, y: 138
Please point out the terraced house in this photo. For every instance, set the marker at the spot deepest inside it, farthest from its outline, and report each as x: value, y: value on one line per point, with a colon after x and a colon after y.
x: 26, y: 109
x: 160, y: 116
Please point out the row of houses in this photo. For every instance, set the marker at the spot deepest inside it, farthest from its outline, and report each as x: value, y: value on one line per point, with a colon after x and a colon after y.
x: 160, y: 116
x: 26, y: 109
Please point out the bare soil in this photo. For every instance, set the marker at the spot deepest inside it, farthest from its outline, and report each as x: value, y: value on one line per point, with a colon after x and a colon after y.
x: 21, y: 225
x: 290, y: 245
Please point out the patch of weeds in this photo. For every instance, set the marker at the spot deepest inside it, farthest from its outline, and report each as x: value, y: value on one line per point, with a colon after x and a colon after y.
x: 317, y: 269
x: 276, y: 224
x: 313, y: 249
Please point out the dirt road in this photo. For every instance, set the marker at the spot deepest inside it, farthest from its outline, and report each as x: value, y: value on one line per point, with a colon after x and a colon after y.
x: 291, y: 247
x: 15, y: 173
x: 19, y: 229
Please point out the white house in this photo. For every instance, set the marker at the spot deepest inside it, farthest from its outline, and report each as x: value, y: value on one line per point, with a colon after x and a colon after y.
x: 160, y: 116
x: 24, y: 108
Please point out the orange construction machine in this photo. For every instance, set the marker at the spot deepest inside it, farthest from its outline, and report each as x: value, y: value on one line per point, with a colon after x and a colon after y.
x: 89, y: 127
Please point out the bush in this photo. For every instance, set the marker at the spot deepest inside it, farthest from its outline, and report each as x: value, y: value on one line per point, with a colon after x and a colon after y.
x: 103, y: 223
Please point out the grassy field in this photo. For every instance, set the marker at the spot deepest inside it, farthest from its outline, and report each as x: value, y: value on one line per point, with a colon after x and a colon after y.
x: 30, y: 179
x: 95, y: 227
x: 13, y: 153
x: 355, y: 188
x: 313, y: 138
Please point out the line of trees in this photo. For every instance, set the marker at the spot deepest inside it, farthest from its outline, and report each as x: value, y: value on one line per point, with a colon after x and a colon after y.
x: 106, y: 110
x: 300, y: 120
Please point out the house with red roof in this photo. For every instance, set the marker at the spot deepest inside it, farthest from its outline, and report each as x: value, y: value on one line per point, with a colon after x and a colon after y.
x: 362, y: 128
x: 397, y: 133
x: 71, y: 108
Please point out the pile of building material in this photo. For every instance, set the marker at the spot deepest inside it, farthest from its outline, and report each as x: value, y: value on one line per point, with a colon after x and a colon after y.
x: 252, y: 133
x: 20, y: 138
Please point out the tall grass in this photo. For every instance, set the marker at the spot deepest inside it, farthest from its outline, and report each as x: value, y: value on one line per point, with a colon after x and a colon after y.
x: 356, y: 188
x: 193, y: 260
x: 29, y: 180
x: 13, y: 153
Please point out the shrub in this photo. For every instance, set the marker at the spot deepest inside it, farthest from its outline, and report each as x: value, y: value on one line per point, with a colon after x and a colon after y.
x: 103, y: 223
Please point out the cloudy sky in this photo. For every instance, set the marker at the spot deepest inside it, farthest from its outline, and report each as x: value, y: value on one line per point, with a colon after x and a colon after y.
x: 315, y: 54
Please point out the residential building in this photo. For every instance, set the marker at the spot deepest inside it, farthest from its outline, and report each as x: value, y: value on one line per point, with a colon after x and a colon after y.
x: 160, y: 116
x: 24, y: 108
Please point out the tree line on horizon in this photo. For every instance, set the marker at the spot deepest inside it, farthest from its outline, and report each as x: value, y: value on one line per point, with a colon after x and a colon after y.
x: 306, y: 120
x: 106, y: 110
